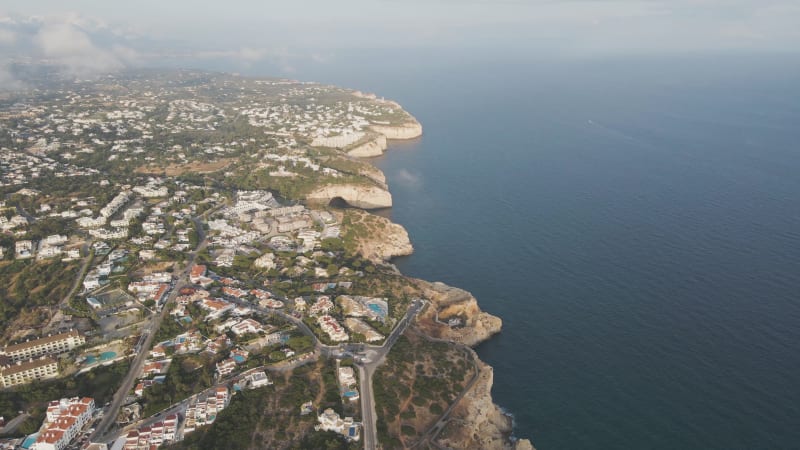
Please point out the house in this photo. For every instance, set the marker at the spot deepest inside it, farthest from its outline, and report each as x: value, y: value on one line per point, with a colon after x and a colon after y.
x: 329, y: 420
x: 23, y: 249
x: 246, y: 326
x: 257, y: 380
x: 198, y: 271
x: 91, y: 282
x: 216, y: 307
x: 226, y: 367
x: 347, y: 376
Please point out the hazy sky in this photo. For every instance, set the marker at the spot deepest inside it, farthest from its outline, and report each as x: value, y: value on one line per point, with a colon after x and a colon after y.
x: 92, y: 35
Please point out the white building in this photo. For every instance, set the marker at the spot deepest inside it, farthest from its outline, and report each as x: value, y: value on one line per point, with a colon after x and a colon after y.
x: 64, y: 420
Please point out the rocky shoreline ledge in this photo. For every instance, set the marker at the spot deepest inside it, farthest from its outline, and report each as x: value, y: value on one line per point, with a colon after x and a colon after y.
x: 481, y: 423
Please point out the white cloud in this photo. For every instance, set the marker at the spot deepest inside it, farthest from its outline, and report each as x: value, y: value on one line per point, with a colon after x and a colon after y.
x: 7, y: 37
x: 66, y: 45
x: 8, y: 81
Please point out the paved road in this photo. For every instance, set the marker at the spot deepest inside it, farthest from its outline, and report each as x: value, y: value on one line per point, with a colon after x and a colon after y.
x: 81, y: 274
x: 64, y: 304
x: 12, y: 425
x: 138, y: 362
x: 367, y: 368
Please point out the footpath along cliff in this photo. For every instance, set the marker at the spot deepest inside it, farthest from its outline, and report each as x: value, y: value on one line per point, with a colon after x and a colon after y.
x: 453, y: 315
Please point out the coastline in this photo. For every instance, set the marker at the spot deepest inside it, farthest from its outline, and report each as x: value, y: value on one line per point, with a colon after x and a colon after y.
x: 482, y: 422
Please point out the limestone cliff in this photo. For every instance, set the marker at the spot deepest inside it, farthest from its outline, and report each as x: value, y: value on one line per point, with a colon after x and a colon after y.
x: 470, y: 326
x: 370, y: 148
x: 407, y: 130
x: 359, y: 196
x: 374, y: 174
x: 376, y: 238
x: 476, y: 422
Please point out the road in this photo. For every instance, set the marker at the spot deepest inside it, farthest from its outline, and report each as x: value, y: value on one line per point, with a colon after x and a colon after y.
x: 180, y: 407
x: 64, y: 304
x: 138, y: 361
x: 14, y: 423
x: 367, y: 368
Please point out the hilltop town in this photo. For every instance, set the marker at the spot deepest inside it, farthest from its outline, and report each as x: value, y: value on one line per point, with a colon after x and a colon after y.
x: 182, y: 266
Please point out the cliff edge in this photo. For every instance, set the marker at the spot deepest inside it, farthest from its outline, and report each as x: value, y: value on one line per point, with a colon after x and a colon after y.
x: 365, y: 197
x: 476, y: 422
x: 407, y: 130
x: 374, y: 237
x: 454, y: 315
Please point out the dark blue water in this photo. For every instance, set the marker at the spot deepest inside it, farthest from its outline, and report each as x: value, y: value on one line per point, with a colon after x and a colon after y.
x: 636, y: 225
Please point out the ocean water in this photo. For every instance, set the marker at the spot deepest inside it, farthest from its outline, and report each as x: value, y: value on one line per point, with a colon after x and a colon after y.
x: 634, y: 222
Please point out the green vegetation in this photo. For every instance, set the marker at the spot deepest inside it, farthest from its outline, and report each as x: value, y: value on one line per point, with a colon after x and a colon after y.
x: 234, y: 426
x: 187, y: 375
x: 27, y: 284
x: 269, y: 417
x: 409, y: 387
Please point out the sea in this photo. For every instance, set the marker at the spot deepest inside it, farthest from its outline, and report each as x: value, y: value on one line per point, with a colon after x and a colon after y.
x: 634, y: 221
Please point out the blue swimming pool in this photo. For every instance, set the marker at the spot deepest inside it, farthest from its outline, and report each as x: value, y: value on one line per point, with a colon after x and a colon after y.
x: 28, y: 442
x: 105, y: 356
x: 377, y: 309
x: 238, y: 358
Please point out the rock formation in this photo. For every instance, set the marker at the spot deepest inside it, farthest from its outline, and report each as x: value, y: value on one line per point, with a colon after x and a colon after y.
x: 374, y: 174
x: 476, y: 422
x: 474, y: 326
x: 385, y: 239
x: 370, y: 148
x: 479, y: 423
x: 408, y: 130
x: 359, y: 196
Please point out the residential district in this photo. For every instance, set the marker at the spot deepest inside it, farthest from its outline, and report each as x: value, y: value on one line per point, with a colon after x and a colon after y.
x: 161, y: 257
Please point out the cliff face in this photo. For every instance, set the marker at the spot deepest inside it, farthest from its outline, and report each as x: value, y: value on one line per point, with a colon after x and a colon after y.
x: 374, y: 174
x: 479, y: 423
x: 474, y: 326
x: 374, y: 147
x: 366, y: 197
x: 408, y: 130
x: 379, y: 239
x: 453, y: 314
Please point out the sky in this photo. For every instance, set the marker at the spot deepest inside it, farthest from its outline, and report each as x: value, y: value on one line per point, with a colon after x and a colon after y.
x: 91, y: 36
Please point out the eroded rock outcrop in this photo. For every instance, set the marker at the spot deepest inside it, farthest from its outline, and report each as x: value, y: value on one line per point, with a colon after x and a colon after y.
x: 379, y: 239
x: 374, y: 174
x: 407, y: 130
x: 370, y: 148
x: 366, y: 197
x: 476, y: 422
x: 470, y: 326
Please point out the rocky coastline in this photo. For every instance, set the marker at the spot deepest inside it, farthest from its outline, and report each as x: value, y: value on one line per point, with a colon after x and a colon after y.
x: 481, y: 423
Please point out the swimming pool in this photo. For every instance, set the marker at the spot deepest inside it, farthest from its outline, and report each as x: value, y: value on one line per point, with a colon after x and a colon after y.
x: 377, y: 309
x: 238, y: 358
x: 105, y: 356
x: 28, y: 442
